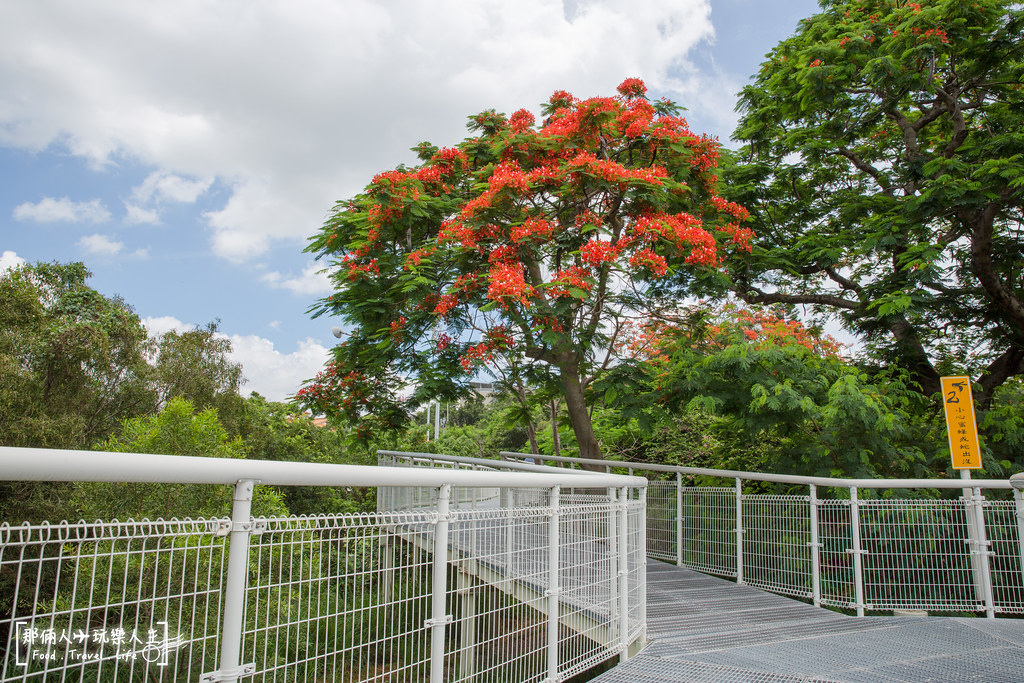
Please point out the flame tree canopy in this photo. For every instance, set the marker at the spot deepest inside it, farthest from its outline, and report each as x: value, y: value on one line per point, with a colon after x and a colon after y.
x: 527, y: 246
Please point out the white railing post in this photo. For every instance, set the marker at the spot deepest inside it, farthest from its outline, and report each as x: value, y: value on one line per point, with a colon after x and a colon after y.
x: 467, y: 647
x: 623, y: 574
x: 552, y: 592
x: 235, y: 585
x: 506, y: 504
x: 858, y: 565
x: 815, y: 548
x: 982, y: 552
x: 642, y: 588
x: 679, y: 519
x: 613, y: 565
x: 439, y: 619
x: 1018, y: 499
x: 739, y: 530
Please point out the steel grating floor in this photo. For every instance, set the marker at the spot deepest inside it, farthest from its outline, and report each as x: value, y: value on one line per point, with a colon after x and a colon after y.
x: 707, y: 629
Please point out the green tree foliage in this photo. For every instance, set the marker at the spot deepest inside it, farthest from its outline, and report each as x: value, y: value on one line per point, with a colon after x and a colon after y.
x: 883, y: 166
x: 765, y: 392
x: 72, y: 361
x: 525, y: 245
x: 480, y: 429
x: 196, y: 365
x: 72, y: 367
x: 274, y: 431
x: 176, y: 430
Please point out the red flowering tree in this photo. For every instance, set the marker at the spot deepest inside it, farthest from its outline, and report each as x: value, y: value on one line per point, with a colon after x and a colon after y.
x: 529, y: 244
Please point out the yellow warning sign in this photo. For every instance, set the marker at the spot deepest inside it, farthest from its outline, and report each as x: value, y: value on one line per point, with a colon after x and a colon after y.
x: 960, y: 422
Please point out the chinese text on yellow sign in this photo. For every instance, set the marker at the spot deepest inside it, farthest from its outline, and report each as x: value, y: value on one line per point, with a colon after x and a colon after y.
x: 960, y: 423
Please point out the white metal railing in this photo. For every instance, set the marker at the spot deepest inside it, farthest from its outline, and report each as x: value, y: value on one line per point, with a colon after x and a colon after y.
x: 449, y: 584
x: 597, y: 568
x: 858, y: 544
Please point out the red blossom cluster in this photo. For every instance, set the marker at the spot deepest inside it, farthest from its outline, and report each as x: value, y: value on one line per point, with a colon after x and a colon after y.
x: 533, y: 229
x: 647, y: 259
x: 573, y: 277
x: 738, y: 212
x: 446, y: 304
x: 355, y: 270
x: 596, y: 252
x: 612, y: 171
x: 397, y: 326
x: 706, y: 152
x: 637, y: 118
x: 509, y: 175
x: 453, y: 230
x: 632, y: 87
x: 544, y: 322
x: 504, y: 253
x: 508, y: 284
x: 769, y: 327
x: 740, y: 237
x: 475, y: 355
x: 500, y: 337
x: 521, y: 121
x: 333, y: 390
x: 413, y: 258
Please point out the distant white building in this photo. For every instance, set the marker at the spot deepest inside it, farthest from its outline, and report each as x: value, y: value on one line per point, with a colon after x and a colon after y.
x: 483, y: 389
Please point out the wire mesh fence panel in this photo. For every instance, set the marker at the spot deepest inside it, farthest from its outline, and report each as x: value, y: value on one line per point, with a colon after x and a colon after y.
x: 588, y: 630
x: 918, y: 556
x: 496, y: 595
x: 776, y: 543
x: 709, y: 530
x: 836, y: 552
x: 636, y: 568
x: 339, y: 598
x: 661, y: 520
x: 118, y: 601
x: 1003, y: 531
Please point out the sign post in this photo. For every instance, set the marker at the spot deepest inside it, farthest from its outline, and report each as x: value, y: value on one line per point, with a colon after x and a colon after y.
x: 961, y: 423
x: 962, y: 427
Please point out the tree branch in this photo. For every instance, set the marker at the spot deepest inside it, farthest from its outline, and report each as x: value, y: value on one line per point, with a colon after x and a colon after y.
x: 981, y: 223
x: 1008, y: 364
x: 752, y: 295
x: 879, y: 177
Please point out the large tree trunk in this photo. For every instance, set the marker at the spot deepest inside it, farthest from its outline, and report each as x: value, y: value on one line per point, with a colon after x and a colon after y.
x: 556, y: 441
x: 531, y: 433
x: 579, y: 416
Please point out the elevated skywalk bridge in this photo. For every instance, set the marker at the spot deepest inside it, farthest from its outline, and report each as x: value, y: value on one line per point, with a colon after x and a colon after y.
x: 707, y: 629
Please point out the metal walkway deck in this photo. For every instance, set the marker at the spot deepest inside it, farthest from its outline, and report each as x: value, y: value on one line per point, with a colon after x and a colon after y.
x: 707, y: 629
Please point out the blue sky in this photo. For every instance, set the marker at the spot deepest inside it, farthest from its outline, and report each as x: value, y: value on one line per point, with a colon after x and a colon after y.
x: 184, y: 150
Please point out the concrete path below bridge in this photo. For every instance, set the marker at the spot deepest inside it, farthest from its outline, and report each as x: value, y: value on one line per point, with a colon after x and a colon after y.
x: 707, y: 629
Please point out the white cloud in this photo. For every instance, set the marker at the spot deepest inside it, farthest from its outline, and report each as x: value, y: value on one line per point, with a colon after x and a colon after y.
x: 161, y: 186
x: 311, y: 281
x: 50, y: 210
x: 9, y: 260
x: 137, y: 215
x: 267, y: 98
x: 100, y: 245
x: 273, y: 374
x: 165, y: 323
